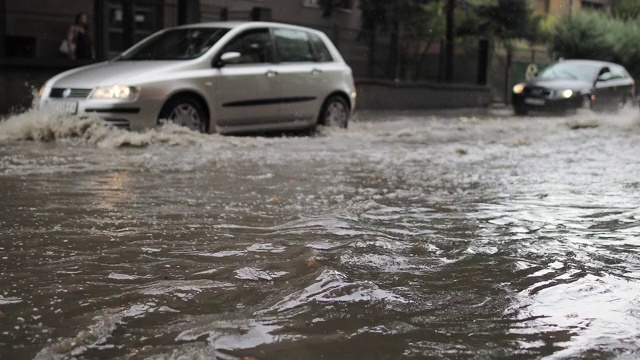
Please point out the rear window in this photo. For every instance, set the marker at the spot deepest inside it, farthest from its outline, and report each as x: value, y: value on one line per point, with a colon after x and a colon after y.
x: 293, y: 45
x: 618, y: 72
x: 323, y: 54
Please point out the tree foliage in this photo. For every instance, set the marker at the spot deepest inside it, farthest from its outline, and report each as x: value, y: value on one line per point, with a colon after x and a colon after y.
x: 500, y: 19
x: 382, y: 14
x: 626, y: 9
x: 599, y: 36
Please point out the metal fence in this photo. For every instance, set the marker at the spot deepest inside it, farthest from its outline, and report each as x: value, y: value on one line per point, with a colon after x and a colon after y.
x: 517, y: 65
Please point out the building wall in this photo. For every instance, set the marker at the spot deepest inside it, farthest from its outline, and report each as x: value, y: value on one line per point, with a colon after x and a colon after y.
x: 299, y: 12
x: 562, y: 7
x: 43, y: 22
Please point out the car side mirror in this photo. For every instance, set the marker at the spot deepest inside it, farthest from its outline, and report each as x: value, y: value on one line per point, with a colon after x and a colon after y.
x: 231, y: 57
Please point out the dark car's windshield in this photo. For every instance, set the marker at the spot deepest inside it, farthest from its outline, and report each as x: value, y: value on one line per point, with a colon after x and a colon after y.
x: 176, y: 44
x: 570, y: 71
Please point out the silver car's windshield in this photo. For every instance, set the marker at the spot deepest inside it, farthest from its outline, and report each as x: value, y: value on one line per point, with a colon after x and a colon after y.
x: 176, y: 44
x: 570, y: 71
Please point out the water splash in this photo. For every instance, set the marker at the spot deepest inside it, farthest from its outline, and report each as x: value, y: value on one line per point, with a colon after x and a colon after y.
x: 627, y: 117
x: 40, y: 125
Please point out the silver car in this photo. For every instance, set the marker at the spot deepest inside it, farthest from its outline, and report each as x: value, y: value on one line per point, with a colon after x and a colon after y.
x: 224, y: 77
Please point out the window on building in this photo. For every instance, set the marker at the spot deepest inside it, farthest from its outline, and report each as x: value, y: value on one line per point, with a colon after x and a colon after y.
x: 340, y: 4
x: 591, y: 5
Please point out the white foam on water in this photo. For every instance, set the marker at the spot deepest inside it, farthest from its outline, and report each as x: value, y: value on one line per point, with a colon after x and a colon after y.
x: 119, y: 276
x: 9, y: 300
x: 627, y: 117
x: 255, y: 274
x: 332, y: 287
x: 236, y: 334
x: 389, y: 263
x: 266, y: 247
x: 183, y: 289
x: 599, y: 311
x: 97, y: 334
x: 206, y: 272
x: 225, y: 253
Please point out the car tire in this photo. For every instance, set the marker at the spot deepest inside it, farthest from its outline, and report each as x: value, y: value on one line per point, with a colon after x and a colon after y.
x: 520, y: 110
x: 185, y: 111
x: 335, y: 112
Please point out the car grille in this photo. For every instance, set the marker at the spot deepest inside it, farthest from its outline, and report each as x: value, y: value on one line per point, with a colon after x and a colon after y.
x: 538, y: 91
x: 70, y: 93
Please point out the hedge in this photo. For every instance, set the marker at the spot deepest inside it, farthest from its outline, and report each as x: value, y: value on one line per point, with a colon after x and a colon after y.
x: 598, y: 36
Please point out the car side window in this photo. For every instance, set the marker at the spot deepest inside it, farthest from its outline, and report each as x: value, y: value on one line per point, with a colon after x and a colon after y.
x: 254, y: 47
x: 617, y: 73
x: 612, y: 73
x: 293, y: 45
x: 322, y: 53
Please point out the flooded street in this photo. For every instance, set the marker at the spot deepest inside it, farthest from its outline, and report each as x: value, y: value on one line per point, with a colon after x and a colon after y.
x: 405, y: 236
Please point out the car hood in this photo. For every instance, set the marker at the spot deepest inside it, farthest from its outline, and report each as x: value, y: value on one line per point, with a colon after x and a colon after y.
x: 116, y: 73
x: 560, y: 84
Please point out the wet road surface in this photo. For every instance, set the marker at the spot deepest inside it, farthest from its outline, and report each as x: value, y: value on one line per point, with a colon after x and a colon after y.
x: 406, y: 236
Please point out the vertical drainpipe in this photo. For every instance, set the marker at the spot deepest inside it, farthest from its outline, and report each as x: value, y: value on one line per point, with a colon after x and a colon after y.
x: 182, y: 12
x: 449, y: 42
x: 188, y: 11
x: 128, y: 25
x: 99, y: 29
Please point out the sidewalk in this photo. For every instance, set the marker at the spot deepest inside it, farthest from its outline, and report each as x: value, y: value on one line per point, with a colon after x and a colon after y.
x: 493, y: 110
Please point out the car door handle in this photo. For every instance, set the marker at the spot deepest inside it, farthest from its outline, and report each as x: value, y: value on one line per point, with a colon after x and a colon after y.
x: 271, y: 73
x: 316, y: 72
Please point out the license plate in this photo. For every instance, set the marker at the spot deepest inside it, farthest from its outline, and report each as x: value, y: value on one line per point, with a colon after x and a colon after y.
x: 534, y: 101
x: 62, y: 107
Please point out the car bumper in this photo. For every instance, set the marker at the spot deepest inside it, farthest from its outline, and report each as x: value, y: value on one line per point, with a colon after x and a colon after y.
x: 546, y: 104
x: 137, y: 115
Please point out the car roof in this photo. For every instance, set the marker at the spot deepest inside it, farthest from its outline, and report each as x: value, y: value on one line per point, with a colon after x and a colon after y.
x: 589, y: 62
x: 236, y: 24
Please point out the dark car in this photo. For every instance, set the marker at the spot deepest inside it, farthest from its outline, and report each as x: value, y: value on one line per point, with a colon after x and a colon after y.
x: 571, y: 84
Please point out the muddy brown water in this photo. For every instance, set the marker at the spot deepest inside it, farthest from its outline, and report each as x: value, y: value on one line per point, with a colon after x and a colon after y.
x: 406, y: 236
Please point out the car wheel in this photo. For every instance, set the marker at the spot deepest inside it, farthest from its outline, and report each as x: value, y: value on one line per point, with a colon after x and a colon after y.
x: 335, y: 112
x: 185, y: 111
x: 520, y: 110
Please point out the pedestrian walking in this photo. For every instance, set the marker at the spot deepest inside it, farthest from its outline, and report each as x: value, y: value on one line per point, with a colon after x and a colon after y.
x: 79, y: 43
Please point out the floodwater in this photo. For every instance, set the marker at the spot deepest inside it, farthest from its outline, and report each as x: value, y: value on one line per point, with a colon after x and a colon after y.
x: 406, y: 236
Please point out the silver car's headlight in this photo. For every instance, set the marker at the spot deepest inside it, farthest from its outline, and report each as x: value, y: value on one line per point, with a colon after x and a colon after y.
x: 116, y: 92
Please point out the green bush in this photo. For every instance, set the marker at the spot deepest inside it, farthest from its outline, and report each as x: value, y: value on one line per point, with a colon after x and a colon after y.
x: 598, y: 36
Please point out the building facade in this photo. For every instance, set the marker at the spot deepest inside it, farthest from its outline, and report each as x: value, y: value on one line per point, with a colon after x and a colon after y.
x: 31, y: 32
x: 34, y: 29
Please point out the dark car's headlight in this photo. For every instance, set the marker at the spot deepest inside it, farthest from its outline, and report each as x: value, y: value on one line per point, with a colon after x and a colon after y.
x: 116, y: 92
x: 566, y: 93
x: 518, y: 89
